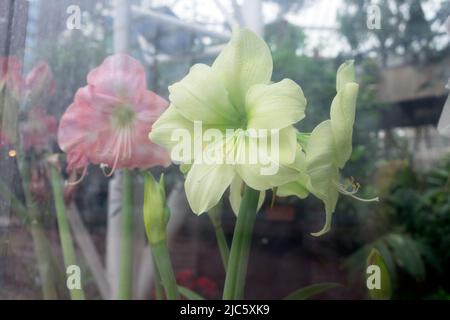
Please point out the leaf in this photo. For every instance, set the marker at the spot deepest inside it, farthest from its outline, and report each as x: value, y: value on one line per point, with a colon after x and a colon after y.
x: 389, y: 260
x: 430, y: 256
x: 312, y: 290
x: 188, y: 293
x: 385, y: 290
x: 407, y: 255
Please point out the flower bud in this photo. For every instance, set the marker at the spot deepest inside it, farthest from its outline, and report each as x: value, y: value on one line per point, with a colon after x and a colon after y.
x: 376, y: 268
x: 40, y: 82
x: 156, y: 212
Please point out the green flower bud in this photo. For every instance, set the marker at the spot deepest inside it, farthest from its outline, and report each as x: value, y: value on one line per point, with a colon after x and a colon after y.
x: 376, y: 268
x: 156, y: 212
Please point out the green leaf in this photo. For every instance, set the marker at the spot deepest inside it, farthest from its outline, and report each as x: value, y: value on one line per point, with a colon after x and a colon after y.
x: 312, y: 290
x: 387, y: 257
x: 385, y: 290
x: 188, y: 293
x: 407, y: 255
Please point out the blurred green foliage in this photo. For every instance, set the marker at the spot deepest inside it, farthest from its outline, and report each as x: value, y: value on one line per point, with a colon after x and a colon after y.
x: 414, y: 237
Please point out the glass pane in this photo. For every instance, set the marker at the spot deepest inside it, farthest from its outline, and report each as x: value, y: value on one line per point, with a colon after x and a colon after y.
x: 101, y: 99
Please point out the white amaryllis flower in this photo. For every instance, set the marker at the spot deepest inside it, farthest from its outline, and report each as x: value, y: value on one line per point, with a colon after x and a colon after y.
x: 235, y: 93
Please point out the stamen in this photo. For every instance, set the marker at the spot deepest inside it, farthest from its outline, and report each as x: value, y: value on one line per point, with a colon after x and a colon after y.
x: 355, y: 188
x: 83, y: 174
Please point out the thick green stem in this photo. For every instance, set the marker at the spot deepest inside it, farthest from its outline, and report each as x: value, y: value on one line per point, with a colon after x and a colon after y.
x: 126, y: 245
x: 164, y: 265
x: 240, y: 247
x: 64, y: 230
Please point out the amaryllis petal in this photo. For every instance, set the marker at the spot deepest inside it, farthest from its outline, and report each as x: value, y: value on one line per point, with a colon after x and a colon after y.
x: 284, y: 98
x: 236, y: 195
x: 119, y: 76
x: 342, y: 113
x: 323, y: 173
x: 205, y: 184
x: 194, y: 96
x: 244, y: 62
x: 262, y: 170
x: 168, y: 131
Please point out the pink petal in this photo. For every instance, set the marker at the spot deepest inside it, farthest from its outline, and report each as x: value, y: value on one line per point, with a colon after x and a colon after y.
x: 80, y: 127
x: 150, y: 106
x: 119, y: 75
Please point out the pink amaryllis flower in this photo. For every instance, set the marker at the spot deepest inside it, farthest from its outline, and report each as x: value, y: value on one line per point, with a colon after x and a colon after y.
x: 40, y: 81
x: 109, y: 121
x: 11, y: 75
x: 38, y: 131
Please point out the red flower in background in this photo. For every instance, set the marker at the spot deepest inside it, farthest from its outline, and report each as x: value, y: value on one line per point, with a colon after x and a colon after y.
x: 109, y: 121
x: 38, y: 131
x: 206, y: 286
x: 201, y: 285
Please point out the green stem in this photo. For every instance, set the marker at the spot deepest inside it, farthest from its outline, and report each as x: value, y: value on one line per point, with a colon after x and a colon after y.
x: 44, y: 265
x: 164, y: 265
x: 215, y: 216
x: 158, y: 287
x: 64, y: 229
x: 40, y: 245
x: 240, y: 247
x: 223, y: 246
x: 126, y: 245
x: 41, y: 249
